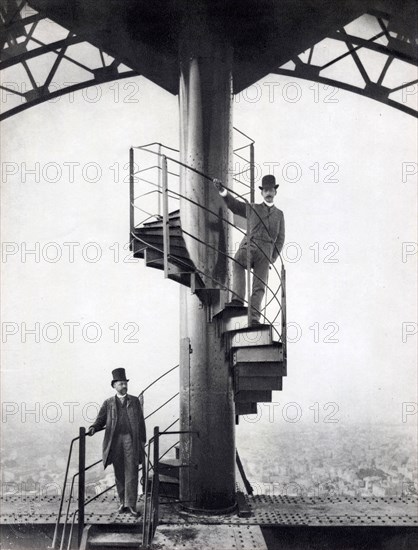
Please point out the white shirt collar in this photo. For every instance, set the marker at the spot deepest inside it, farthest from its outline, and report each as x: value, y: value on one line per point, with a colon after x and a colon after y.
x: 268, y: 204
x: 121, y: 396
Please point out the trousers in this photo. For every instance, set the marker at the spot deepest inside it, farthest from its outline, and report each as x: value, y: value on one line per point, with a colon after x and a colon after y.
x: 126, y: 469
x: 260, y: 265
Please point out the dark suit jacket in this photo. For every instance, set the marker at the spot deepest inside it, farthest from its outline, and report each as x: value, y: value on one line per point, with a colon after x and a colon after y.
x: 108, y: 417
x: 266, y: 225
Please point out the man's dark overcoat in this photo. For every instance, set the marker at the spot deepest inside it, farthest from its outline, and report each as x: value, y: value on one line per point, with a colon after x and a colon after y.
x: 107, y: 417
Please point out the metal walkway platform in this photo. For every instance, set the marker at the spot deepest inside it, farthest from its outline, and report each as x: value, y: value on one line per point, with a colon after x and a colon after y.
x: 267, y: 511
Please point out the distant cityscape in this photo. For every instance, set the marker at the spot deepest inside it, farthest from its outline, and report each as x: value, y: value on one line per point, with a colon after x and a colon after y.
x: 330, y: 460
x: 360, y: 461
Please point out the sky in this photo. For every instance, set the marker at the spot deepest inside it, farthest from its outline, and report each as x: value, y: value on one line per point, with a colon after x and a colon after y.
x: 348, y: 193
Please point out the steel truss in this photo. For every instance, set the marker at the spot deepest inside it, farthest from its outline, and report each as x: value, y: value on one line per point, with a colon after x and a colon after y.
x: 391, y: 43
x: 20, y: 44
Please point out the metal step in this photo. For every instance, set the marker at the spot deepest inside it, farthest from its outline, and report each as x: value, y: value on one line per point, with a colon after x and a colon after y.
x: 260, y: 335
x: 138, y: 248
x: 169, y: 487
x: 258, y: 383
x: 118, y: 540
x: 171, y: 215
x: 109, y: 537
x: 256, y: 396
x: 154, y: 258
x: 157, y: 231
x: 157, y: 240
x: 174, y: 251
x: 260, y: 369
x: 245, y: 408
x: 174, y: 222
x: 170, y: 467
x: 258, y: 354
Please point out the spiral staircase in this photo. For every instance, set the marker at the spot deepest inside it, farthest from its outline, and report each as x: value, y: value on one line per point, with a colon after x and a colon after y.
x: 257, y: 360
x: 256, y: 357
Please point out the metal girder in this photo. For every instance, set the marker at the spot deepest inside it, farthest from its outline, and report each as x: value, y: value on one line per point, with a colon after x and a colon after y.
x: 21, y: 44
x: 391, y: 43
x: 394, y: 42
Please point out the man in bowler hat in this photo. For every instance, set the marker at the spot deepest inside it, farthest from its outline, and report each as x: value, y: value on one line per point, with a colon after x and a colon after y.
x: 266, y: 223
x: 124, y: 439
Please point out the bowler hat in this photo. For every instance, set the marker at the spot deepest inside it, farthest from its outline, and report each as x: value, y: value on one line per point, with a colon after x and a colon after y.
x: 119, y: 375
x: 268, y: 182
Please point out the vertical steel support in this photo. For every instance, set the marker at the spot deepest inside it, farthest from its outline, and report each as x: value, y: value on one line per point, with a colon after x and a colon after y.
x: 81, y: 481
x: 156, y: 484
x: 248, y: 274
x: 159, y: 181
x: 166, y: 221
x: 206, y: 392
x: 64, y: 487
x: 252, y: 176
x: 131, y: 191
x: 145, y: 523
x: 284, y: 321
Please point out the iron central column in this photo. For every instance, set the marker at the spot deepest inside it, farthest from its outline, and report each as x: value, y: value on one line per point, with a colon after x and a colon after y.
x: 206, y: 394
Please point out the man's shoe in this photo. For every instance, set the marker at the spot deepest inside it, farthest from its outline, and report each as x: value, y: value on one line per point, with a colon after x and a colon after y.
x: 235, y: 303
x: 255, y: 322
x: 133, y: 512
x: 121, y: 509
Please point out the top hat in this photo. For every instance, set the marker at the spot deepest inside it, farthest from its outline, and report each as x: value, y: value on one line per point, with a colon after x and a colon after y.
x: 268, y: 182
x: 119, y: 375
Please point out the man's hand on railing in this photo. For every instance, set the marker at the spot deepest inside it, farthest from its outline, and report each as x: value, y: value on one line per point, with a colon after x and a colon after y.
x: 218, y: 184
x: 91, y: 431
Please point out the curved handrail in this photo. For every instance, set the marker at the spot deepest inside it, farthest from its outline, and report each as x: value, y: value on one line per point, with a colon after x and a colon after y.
x: 205, y: 176
x: 228, y: 256
x: 216, y: 281
x: 274, y: 293
x: 159, y: 378
x: 245, y: 135
x: 221, y: 218
x: 163, y: 405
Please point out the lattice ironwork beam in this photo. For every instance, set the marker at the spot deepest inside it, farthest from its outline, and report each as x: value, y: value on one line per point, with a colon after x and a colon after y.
x: 400, y: 47
x: 22, y: 46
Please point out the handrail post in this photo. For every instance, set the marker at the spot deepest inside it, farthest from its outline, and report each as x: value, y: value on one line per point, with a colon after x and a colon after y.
x: 247, y: 484
x: 64, y: 487
x: 166, y: 228
x: 81, y: 481
x: 159, y: 180
x: 156, y: 487
x: 252, y: 198
x: 284, y: 335
x: 248, y: 264
x: 131, y: 189
x: 146, y: 521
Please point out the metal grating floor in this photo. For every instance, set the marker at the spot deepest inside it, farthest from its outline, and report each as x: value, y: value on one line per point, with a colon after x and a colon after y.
x: 267, y: 511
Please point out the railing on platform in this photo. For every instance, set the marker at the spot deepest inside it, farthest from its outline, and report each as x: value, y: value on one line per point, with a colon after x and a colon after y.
x: 152, y: 504
x: 165, y: 192
x: 79, y: 513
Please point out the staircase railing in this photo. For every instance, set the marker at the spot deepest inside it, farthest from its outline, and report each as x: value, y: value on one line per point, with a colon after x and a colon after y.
x: 152, y: 504
x: 167, y: 193
x: 79, y: 513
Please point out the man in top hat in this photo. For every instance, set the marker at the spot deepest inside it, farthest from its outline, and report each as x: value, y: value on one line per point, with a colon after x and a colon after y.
x: 124, y: 439
x: 266, y: 223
